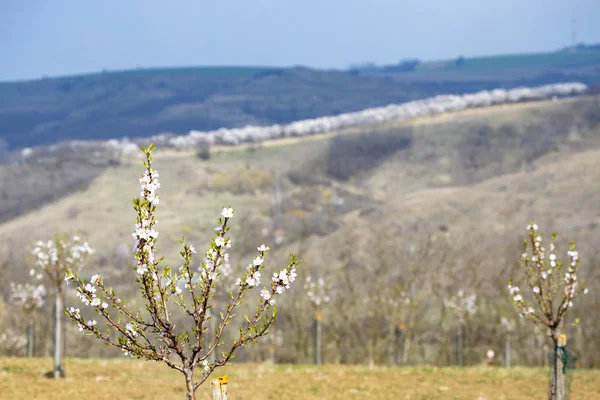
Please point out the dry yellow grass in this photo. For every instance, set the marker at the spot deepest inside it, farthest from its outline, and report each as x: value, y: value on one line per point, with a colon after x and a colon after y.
x: 130, y: 379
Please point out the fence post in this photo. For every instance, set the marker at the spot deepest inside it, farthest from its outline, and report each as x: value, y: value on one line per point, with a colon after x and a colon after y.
x: 317, y: 338
x: 219, y: 388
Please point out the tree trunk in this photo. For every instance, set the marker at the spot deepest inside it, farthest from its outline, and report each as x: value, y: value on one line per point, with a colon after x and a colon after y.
x: 317, y: 339
x: 556, y: 371
x: 406, y: 348
x: 189, y: 385
x: 560, y: 376
x: 459, y: 346
x: 507, y: 360
x: 392, y: 343
x: 30, y: 339
x: 58, y: 343
x: 557, y: 382
x: 399, y: 345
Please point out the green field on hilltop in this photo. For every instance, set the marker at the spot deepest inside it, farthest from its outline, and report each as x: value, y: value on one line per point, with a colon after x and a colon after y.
x: 520, y: 61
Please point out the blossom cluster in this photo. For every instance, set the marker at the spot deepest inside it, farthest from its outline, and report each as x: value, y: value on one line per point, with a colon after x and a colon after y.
x: 11, y: 342
x: 524, y: 309
x: 57, y: 256
x: 570, y: 279
x: 275, y: 338
x: 88, y: 293
x: 509, y: 324
x: 149, y: 186
x: 317, y: 291
x: 280, y: 282
x: 462, y: 305
x: 395, y: 300
x: 29, y: 297
x: 74, y: 314
x: 216, y: 261
x: 542, y: 267
x: 144, y: 235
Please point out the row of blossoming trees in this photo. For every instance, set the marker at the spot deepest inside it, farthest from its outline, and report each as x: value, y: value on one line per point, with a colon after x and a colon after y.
x: 185, y: 315
x: 256, y: 134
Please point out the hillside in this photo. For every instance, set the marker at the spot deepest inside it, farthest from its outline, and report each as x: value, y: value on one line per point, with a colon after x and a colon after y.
x: 433, y: 204
x: 145, y: 102
x: 456, y: 153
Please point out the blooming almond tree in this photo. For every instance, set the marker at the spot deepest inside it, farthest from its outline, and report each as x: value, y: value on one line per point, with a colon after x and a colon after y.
x: 394, y: 301
x: 55, y: 258
x: 11, y: 343
x: 509, y: 326
x: 152, y: 335
x: 317, y: 292
x: 461, y: 306
x: 29, y: 298
x: 553, y: 287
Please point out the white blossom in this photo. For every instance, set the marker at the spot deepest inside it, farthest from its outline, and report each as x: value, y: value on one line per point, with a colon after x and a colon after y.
x: 317, y: 291
x: 262, y: 248
x: 130, y: 330
x: 28, y: 297
x: 70, y: 257
x: 265, y: 294
x: 257, y: 261
x: 462, y: 305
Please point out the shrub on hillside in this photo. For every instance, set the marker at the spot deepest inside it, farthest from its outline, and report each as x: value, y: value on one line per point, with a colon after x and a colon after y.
x: 241, y: 180
x: 349, y: 155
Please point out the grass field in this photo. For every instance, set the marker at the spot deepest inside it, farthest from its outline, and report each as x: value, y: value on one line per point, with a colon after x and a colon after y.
x: 528, y: 60
x: 125, y: 379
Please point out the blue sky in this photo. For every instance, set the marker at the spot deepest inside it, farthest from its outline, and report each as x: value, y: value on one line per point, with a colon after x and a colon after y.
x: 62, y: 37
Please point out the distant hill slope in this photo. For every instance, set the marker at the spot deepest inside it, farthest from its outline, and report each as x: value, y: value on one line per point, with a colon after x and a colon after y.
x: 498, y: 151
x: 150, y: 101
